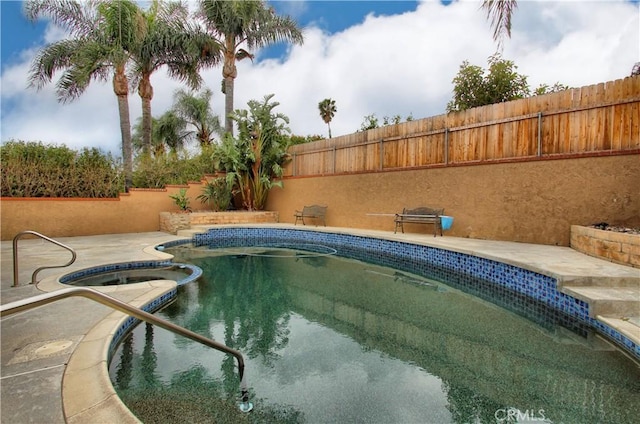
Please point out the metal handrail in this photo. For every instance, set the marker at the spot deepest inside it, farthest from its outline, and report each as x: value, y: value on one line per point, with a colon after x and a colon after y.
x: 44, y: 299
x: 33, y: 276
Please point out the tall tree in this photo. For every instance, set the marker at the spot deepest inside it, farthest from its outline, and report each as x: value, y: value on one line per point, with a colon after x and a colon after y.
x: 247, y: 23
x: 196, y: 110
x: 327, y: 111
x: 170, y: 40
x: 499, y: 12
x: 474, y: 87
x: 98, y: 33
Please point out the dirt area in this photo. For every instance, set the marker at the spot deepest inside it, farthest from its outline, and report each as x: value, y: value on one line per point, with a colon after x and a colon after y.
x: 605, y: 226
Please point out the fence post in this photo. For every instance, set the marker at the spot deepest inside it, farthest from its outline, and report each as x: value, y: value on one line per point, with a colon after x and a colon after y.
x: 294, y: 164
x: 381, y: 153
x: 539, y: 134
x: 333, y: 171
x: 446, y: 146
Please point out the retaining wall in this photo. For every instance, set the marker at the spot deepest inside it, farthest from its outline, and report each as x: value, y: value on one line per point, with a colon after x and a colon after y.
x: 173, y: 222
x: 134, y: 212
x: 621, y: 248
x: 533, y: 202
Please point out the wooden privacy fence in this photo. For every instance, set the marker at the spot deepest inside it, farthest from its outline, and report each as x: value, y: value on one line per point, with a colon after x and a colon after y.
x: 589, y: 120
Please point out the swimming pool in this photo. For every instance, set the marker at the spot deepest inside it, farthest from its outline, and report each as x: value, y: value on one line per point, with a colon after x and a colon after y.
x: 419, y: 354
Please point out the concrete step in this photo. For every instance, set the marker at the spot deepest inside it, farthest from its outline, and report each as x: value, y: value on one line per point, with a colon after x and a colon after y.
x: 628, y: 326
x: 608, y: 301
x: 630, y: 281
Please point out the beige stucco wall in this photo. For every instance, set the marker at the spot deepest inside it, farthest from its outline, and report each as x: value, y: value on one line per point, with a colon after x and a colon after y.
x: 534, y: 202
x: 137, y: 211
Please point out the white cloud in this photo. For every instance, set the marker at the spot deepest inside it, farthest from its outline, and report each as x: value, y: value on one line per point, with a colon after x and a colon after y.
x: 578, y: 44
x: 387, y: 65
x: 54, y: 33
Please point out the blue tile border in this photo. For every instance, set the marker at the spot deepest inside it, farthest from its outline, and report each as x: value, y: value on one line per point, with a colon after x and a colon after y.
x: 196, y: 272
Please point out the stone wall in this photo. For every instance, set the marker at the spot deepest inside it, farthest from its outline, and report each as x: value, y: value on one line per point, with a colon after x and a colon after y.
x: 172, y: 222
x: 621, y: 248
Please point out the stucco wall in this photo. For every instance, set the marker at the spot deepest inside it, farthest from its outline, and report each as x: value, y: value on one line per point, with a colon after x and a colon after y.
x: 137, y: 211
x: 535, y: 202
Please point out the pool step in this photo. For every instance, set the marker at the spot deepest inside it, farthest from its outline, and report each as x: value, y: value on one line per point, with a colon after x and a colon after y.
x: 608, y: 301
x: 602, y: 281
x: 628, y: 326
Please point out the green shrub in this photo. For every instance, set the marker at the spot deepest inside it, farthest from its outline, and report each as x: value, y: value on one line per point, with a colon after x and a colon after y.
x: 33, y: 169
x: 217, y: 194
x: 181, y: 200
x: 299, y: 139
x: 157, y: 172
x: 253, y: 161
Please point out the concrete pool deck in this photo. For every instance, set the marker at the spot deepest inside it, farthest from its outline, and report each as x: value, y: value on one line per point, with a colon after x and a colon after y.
x: 53, y: 366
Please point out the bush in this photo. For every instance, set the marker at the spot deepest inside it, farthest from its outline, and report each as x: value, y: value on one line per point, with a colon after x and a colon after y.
x: 181, y: 200
x: 474, y: 87
x: 160, y: 171
x: 217, y: 194
x: 33, y: 169
x: 299, y: 139
x: 253, y: 160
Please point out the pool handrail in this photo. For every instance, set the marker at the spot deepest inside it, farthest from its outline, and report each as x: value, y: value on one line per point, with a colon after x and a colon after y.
x: 42, y: 236
x: 46, y: 298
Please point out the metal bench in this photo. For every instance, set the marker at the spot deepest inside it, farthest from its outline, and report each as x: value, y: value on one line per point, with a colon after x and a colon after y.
x: 314, y: 211
x: 422, y: 215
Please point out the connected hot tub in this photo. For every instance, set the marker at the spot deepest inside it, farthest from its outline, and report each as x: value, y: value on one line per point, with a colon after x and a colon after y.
x: 131, y: 273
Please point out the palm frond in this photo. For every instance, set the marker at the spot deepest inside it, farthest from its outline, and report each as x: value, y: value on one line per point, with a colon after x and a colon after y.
x: 77, y: 18
x: 49, y: 60
x: 499, y: 12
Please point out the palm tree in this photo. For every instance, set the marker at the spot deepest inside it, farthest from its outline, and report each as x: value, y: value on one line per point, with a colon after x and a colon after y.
x: 327, y: 111
x: 99, y: 32
x: 169, y: 40
x: 196, y: 110
x: 500, y: 12
x: 249, y: 23
x: 167, y: 132
x: 172, y: 130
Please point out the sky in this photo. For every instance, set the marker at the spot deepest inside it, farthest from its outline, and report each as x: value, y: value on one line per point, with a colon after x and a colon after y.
x: 385, y: 58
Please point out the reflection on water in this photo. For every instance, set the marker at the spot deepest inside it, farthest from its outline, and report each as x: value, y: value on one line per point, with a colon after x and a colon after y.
x: 334, y: 340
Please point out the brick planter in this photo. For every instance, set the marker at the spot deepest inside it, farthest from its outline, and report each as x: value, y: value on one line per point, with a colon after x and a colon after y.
x: 621, y: 248
x: 172, y: 222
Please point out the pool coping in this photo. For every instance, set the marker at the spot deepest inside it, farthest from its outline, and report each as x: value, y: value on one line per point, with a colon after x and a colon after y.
x: 87, y: 392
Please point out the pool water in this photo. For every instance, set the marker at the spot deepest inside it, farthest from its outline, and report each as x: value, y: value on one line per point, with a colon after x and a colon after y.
x: 334, y: 340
